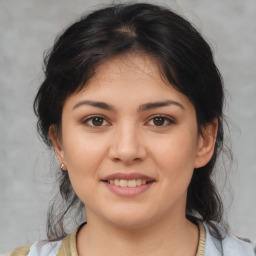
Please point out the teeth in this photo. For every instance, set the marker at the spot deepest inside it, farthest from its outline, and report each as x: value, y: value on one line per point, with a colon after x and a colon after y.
x: 117, y: 182
x: 131, y: 183
x: 138, y: 182
x: 127, y: 183
x: 123, y: 183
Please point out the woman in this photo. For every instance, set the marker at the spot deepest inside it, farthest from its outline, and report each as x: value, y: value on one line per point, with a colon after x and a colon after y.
x: 132, y: 105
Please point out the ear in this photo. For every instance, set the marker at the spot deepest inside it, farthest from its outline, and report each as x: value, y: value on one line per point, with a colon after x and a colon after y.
x: 57, y: 145
x: 206, y: 143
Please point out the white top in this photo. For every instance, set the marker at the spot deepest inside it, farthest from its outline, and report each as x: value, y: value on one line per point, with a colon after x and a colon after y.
x: 232, y: 246
x: 46, y: 249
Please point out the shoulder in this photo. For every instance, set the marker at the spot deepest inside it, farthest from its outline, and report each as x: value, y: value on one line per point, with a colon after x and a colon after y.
x: 44, y: 249
x: 235, y: 246
x: 64, y: 247
x: 232, y: 246
x: 38, y: 249
x: 23, y: 250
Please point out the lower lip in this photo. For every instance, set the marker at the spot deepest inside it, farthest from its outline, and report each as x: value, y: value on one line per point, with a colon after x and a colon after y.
x: 127, y: 191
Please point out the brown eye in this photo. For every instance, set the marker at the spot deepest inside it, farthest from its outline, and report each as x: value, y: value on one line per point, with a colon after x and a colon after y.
x: 159, y: 121
x: 97, y: 121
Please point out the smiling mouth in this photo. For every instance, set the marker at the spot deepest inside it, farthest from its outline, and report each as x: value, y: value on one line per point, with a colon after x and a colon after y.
x: 128, y: 183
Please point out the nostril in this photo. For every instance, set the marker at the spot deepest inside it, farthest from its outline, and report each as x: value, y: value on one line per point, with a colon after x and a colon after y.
x: 137, y: 159
x: 116, y: 159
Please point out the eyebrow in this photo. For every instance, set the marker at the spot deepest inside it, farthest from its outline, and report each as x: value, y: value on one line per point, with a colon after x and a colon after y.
x: 97, y: 104
x: 142, y: 108
x: 158, y: 104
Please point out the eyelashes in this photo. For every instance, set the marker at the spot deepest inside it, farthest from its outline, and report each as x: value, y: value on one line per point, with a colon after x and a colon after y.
x: 97, y: 121
x: 160, y: 121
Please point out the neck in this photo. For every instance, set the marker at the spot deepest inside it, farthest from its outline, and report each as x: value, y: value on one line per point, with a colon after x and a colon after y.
x: 177, y: 237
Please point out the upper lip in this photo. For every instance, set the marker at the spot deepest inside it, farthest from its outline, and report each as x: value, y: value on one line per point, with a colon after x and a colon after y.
x: 128, y: 176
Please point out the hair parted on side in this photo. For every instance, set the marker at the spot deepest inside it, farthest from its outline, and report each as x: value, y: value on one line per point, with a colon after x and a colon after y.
x: 185, y: 60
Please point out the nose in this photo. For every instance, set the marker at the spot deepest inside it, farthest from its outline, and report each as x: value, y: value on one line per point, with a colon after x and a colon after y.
x: 127, y: 145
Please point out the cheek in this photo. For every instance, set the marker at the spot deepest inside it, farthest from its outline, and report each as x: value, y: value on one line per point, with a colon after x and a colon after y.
x: 175, y: 153
x: 175, y: 158
x: 176, y: 166
x: 83, y: 156
x: 83, y: 153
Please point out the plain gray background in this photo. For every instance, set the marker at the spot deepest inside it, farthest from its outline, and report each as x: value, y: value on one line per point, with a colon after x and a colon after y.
x: 27, y: 169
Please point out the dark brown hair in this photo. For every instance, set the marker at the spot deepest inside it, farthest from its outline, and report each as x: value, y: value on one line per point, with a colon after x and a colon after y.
x: 185, y: 60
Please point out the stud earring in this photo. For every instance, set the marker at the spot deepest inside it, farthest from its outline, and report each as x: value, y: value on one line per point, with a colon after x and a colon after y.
x: 61, y: 166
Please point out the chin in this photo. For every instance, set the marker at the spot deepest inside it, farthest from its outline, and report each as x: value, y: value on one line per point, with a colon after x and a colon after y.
x: 130, y: 219
x: 129, y: 224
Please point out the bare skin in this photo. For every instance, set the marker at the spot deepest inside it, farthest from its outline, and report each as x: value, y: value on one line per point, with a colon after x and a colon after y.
x: 128, y: 122
x: 162, y: 239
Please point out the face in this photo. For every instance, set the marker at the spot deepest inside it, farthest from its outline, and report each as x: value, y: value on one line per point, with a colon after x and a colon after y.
x: 130, y: 143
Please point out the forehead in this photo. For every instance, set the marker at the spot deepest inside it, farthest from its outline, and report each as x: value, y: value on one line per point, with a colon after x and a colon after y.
x: 128, y: 70
x: 128, y: 65
x: 130, y: 78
